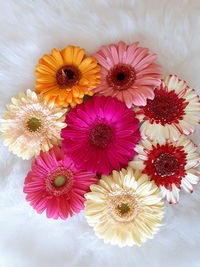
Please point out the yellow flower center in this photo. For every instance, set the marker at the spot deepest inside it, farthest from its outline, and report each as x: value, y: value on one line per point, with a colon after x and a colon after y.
x: 59, y: 181
x: 33, y: 124
x: 123, y: 207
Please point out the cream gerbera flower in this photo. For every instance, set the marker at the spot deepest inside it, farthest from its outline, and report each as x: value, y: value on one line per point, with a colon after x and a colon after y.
x: 172, y: 112
x: 31, y: 125
x: 125, y: 208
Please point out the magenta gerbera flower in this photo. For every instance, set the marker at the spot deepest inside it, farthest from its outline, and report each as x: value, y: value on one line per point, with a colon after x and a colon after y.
x: 54, y: 184
x: 128, y: 72
x: 101, y: 135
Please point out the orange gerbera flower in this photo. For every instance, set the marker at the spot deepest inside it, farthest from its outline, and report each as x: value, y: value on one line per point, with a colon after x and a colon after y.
x: 65, y: 76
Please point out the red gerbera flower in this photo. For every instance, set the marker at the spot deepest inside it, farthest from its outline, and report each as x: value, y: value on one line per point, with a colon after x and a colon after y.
x: 172, y: 112
x: 170, y: 164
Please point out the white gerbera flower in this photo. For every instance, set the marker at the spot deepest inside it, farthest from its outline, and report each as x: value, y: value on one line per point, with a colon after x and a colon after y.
x: 172, y: 111
x: 31, y: 125
x: 125, y: 208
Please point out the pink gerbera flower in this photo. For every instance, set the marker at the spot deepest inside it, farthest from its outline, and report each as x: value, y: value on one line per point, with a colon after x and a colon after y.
x: 128, y: 72
x: 55, y: 185
x: 101, y: 135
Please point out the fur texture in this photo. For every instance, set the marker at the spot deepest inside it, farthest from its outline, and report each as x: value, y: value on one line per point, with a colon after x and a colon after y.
x: 28, y: 30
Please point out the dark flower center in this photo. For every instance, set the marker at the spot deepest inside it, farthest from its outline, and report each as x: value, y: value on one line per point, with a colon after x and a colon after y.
x: 100, y: 136
x: 33, y: 124
x: 166, y: 107
x: 163, y: 107
x: 67, y: 76
x: 121, y: 76
x: 166, y: 164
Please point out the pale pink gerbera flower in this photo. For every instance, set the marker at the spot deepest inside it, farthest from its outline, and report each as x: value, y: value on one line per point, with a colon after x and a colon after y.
x: 30, y: 125
x: 55, y: 185
x: 128, y: 72
x: 101, y: 135
x: 172, y: 112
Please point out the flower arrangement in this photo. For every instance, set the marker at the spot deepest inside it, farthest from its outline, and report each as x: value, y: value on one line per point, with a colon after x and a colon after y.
x: 108, y: 135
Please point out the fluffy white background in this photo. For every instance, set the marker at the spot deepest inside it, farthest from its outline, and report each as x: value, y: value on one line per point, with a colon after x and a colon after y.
x: 28, y: 29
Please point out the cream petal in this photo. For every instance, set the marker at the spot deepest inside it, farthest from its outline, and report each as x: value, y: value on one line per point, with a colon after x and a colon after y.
x: 137, y: 163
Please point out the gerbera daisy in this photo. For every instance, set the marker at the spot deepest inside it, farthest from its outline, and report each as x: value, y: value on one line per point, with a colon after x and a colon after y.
x: 128, y: 72
x: 172, y: 112
x: 125, y: 208
x: 55, y: 185
x: 31, y: 125
x: 101, y: 135
x: 65, y: 76
x: 171, y: 165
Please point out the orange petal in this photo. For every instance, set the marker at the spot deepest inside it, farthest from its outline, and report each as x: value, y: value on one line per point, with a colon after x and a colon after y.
x: 44, y: 69
x: 78, y: 55
x: 75, y: 91
x: 85, y: 63
x: 56, y: 54
x: 68, y: 53
x: 51, y: 62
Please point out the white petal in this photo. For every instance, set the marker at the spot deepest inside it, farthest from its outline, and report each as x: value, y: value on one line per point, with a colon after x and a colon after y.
x: 186, y: 185
x: 173, y: 196
x: 193, y: 176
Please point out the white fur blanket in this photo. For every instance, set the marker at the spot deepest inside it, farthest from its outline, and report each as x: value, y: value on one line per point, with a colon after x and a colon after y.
x: 30, y: 28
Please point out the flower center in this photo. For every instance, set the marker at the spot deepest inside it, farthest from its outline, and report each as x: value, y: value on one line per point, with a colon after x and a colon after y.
x: 166, y: 164
x: 122, y: 207
x: 60, y: 180
x: 33, y: 124
x: 100, y: 136
x: 163, y: 107
x: 166, y: 107
x: 121, y: 76
x: 67, y: 76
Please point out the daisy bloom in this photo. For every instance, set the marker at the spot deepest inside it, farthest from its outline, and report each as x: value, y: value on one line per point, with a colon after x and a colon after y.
x: 101, y: 135
x: 55, y: 185
x: 65, y: 76
x: 125, y: 208
x: 171, y: 165
x: 128, y: 72
x: 172, y: 111
x: 31, y: 125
